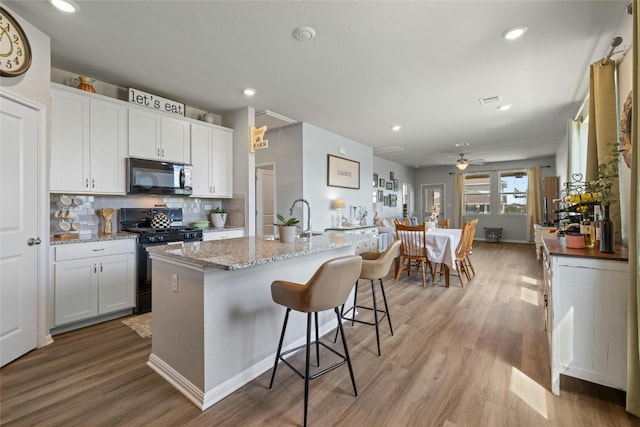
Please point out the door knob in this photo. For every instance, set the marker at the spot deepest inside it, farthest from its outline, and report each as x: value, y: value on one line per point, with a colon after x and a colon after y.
x: 31, y: 241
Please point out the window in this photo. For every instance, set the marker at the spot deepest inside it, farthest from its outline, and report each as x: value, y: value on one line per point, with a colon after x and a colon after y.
x: 477, y: 193
x: 513, y: 192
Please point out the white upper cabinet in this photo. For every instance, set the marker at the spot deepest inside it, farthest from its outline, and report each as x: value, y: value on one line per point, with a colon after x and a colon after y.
x: 212, y: 154
x: 89, y: 142
x: 156, y: 136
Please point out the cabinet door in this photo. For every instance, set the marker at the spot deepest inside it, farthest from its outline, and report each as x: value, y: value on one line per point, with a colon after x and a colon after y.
x: 69, y: 142
x: 200, y: 151
x: 76, y: 290
x: 144, y: 134
x: 222, y: 163
x: 175, y: 140
x: 108, y: 147
x: 116, y: 283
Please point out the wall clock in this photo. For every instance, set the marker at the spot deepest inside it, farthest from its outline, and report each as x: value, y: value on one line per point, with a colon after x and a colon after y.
x: 15, y: 51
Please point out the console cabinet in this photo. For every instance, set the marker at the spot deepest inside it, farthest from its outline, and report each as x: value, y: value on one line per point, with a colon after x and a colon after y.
x: 212, y: 152
x: 92, y: 279
x: 89, y: 142
x: 586, y: 314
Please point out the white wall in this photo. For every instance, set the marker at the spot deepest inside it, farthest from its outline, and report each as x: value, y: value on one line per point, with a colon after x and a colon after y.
x: 300, y: 155
x: 514, y: 226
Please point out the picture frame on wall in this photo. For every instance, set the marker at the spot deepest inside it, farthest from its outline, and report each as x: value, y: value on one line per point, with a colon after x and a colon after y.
x: 389, y: 185
x: 386, y: 200
x: 381, y: 182
x: 395, y: 185
x: 391, y: 176
x: 375, y: 179
x: 393, y: 200
x: 343, y: 172
x: 380, y: 196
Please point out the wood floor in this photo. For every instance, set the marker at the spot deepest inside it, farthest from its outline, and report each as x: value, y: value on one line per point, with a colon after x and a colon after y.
x: 476, y: 356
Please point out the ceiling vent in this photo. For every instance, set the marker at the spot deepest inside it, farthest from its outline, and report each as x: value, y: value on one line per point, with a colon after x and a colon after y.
x: 489, y: 100
x: 391, y: 149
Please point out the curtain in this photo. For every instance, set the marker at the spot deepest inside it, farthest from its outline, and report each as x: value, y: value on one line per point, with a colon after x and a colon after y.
x: 459, y: 199
x: 603, y: 129
x: 534, y: 201
x: 633, y: 308
x: 577, y: 148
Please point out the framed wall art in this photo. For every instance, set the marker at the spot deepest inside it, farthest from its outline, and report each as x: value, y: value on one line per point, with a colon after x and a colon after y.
x: 380, y: 196
x: 375, y: 179
x: 389, y: 185
x: 343, y: 172
x: 381, y: 182
x: 395, y: 184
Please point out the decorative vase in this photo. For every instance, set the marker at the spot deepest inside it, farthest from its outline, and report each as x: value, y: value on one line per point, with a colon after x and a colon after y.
x: 607, y: 232
x: 85, y: 84
x: 287, y: 233
x: 218, y: 219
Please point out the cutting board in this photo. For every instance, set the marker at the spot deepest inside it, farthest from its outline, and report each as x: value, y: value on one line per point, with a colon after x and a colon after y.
x: 66, y: 236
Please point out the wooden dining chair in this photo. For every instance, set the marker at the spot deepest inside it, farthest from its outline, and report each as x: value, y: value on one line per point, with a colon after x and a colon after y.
x: 444, y: 223
x: 461, y: 253
x: 403, y: 221
x: 413, y: 251
x: 470, y: 236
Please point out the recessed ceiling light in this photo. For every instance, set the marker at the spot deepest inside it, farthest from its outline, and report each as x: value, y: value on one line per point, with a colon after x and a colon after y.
x: 514, y: 33
x: 504, y: 107
x: 249, y: 91
x: 396, y: 128
x: 67, y: 6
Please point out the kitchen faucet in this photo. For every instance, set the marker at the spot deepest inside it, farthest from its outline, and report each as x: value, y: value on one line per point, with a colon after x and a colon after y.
x: 307, y: 231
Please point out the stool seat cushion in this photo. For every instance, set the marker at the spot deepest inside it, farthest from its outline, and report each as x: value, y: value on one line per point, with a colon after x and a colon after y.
x: 376, y: 265
x: 328, y: 288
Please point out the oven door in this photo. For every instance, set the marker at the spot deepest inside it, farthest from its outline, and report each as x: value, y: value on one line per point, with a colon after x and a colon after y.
x: 143, y: 282
x: 158, y: 178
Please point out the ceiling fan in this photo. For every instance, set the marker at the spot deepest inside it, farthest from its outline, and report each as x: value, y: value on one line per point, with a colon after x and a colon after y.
x: 462, y: 163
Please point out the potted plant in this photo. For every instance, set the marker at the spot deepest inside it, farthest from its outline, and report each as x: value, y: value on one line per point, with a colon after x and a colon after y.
x: 287, y: 228
x: 218, y: 217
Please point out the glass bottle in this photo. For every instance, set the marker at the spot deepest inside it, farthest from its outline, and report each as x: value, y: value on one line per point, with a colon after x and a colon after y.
x: 586, y: 229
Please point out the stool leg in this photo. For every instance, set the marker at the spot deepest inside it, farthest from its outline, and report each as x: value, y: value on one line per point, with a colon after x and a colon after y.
x: 355, y: 303
x: 306, y: 368
x: 346, y: 352
x: 317, y: 341
x: 386, y: 307
x: 375, y: 314
x: 275, y: 365
x: 335, y: 338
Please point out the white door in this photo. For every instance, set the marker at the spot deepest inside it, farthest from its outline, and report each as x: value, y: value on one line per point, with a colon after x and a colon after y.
x: 18, y: 224
x: 265, y: 201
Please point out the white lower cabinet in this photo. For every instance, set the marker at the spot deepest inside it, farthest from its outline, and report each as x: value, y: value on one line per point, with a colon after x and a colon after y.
x: 219, y: 235
x: 92, y: 279
x: 586, y: 318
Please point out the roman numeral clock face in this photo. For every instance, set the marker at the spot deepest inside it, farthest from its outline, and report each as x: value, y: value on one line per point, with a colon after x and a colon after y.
x: 15, y: 52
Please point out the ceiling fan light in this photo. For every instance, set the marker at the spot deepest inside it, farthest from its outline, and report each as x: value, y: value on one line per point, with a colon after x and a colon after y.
x: 462, y: 166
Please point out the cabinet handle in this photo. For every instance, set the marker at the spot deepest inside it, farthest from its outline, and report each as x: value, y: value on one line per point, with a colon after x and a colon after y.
x: 86, y: 183
x: 158, y: 152
x: 93, y: 183
x: 98, y: 250
x: 95, y: 269
x: 100, y: 267
x: 163, y: 152
x: 214, y: 189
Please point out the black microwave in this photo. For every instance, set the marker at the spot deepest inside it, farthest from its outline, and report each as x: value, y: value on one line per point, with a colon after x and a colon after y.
x: 155, y: 177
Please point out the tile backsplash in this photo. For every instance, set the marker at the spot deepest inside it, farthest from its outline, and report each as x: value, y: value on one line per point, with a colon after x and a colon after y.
x: 82, y: 213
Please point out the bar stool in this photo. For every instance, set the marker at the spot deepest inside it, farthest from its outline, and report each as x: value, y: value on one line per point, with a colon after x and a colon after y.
x: 327, y: 289
x: 375, y: 266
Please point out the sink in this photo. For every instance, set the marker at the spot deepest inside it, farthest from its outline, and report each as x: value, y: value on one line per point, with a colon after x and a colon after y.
x: 313, y: 233
x: 269, y: 237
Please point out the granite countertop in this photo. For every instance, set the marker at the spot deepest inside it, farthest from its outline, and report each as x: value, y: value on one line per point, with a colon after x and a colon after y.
x: 354, y: 227
x: 227, y: 228
x: 86, y: 238
x: 245, y: 252
x: 555, y: 247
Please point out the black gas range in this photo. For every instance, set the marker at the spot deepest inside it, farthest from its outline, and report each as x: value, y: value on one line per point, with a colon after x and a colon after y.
x: 139, y: 221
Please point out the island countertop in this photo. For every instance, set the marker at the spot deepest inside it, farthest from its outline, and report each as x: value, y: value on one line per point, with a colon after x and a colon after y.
x: 246, y: 252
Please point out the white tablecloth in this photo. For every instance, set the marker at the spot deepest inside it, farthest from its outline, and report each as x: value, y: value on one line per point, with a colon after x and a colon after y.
x: 442, y: 244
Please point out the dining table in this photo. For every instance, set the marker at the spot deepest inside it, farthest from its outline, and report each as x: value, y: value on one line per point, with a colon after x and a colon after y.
x: 441, y: 249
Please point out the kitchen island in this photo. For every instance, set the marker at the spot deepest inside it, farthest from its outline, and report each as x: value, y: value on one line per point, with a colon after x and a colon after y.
x: 215, y: 326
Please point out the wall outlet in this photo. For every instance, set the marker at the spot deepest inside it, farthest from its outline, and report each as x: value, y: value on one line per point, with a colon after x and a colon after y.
x: 174, y: 283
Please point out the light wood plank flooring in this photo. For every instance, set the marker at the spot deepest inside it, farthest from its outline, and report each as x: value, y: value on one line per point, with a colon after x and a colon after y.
x: 476, y: 356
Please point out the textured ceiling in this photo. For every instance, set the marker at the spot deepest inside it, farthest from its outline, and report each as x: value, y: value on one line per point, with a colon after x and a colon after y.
x: 421, y: 64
